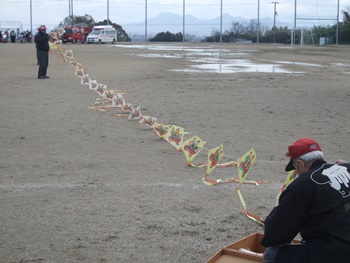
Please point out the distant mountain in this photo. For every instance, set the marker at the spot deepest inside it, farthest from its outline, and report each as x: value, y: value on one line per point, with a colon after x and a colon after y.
x: 174, y: 23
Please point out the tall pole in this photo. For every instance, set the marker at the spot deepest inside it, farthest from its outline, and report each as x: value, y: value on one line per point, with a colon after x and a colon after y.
x: 69, y: 11
x: 69, y: 8
x: 107, y: 12
x: 337, y: 37
x: 274, y: 22
x: 31, y: 18
x: 183, y: 21
x: 145, y: 20
x: 258, y: 24
x: 70, y: 16
x: 221, y: 22
x: 295, y: 21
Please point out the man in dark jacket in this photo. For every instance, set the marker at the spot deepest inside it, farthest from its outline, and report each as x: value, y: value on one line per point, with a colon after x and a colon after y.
x: 42, y: 45
x: 316, y: 205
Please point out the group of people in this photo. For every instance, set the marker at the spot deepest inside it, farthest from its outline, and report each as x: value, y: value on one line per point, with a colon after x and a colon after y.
x: 24, y: 37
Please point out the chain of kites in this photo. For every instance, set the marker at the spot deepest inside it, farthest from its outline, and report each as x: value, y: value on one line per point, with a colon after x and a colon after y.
x: 113, y: 99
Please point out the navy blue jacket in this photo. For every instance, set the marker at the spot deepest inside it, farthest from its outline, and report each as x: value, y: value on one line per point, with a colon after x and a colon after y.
x: 42, y: 41
x: 316, y: 205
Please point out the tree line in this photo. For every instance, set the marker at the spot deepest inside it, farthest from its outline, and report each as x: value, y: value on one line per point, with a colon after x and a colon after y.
x: 239, y: 31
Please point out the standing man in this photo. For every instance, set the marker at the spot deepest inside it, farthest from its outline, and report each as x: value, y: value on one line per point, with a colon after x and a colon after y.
x: 316, y: 205
x: 42, y: 45
x: 13, y: 36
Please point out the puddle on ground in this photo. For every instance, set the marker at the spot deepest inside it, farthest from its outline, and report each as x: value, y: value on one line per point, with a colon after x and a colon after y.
x: 341, y: 64
x: 298, y: 63
x: 238, y: 66
x: 216, y: 60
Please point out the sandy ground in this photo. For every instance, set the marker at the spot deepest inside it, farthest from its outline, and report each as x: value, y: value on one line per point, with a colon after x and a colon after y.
x: 83, y: 186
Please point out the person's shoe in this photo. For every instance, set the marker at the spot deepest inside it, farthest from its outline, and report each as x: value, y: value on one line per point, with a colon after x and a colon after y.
x: 47, y: 77
x: 41, y: 77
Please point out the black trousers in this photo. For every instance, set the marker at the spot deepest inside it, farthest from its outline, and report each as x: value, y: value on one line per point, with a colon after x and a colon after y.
x: 43, y: 62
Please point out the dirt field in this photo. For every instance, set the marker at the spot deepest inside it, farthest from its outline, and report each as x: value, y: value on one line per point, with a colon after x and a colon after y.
x: 84, y: 186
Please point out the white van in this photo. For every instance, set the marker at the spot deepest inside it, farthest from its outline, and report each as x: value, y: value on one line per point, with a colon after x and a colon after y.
x: 102, y: 34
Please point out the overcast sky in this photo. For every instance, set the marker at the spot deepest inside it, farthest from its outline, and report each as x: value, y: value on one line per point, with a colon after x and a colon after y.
x: 51, y: 12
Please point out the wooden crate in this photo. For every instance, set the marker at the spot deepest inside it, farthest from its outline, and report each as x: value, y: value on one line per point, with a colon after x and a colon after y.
x: 231, y: 253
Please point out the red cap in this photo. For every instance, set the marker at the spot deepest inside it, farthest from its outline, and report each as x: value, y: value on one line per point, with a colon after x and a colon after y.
x: 299, y: 148
x: 43, y: 27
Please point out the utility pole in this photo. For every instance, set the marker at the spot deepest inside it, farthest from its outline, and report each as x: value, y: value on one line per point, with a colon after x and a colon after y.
x: 145, y: 21
x: 70, y: 16
x: 221, y: 22
x: 258, y: 24
x: 107, y: 12
x: 337, y: 37
x: 183, y: 20
x: 295, y: 22
x: 31, y: 18
x: 274, y: 21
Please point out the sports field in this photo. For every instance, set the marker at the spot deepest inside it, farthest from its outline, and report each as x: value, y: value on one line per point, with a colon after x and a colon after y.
x: 80, y: 185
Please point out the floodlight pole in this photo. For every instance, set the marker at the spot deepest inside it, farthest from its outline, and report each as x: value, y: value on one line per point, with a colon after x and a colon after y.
x: 31, y: 20
x: 258, y: 24
x: 274, y: 21
x: 70, y: 16
x: 221, y: 22
x: 183, y: 21
x: 337, y: 24
x: 145, y: 20
x: 107, y: 12
x: 295, y: 21
x: 69, y: 10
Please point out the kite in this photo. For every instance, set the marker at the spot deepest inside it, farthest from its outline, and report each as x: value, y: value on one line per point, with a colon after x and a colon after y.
x: 128, y: 107
x: 161, y: 129
x: 174, y: 136
x: 192, y: 147
x: 80, y: 71
x: 101, y: 89
x: 85, y: 79
x: 214, y: 156
x: 292, y: 175
x: 69, y: 54
x: 244, y: 164
x: 149, y: 121
x: 135, y: 114
x: 118, y: 101
x: 93, y: 85
x: 55, y: 41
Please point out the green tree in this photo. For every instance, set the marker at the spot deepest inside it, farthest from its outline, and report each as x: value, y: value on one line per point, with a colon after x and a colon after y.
x: 344, y: 28
x: 238, y: 31
x: 167, y: 37
x: 86, y: 19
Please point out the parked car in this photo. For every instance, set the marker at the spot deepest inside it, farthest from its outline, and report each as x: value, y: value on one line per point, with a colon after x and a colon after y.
x: 73, y: 34
x: 102, y: 34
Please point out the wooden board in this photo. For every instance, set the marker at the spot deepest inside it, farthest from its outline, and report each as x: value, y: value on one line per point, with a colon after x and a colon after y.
x: 231, y: 253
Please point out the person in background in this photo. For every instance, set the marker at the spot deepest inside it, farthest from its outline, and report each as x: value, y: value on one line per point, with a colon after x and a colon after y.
x: 13, y: 36
x: 28, y: 36
x: 6, y: 36
x: 316, y: 205
x: 42, y: 45
x: 1, y: 38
